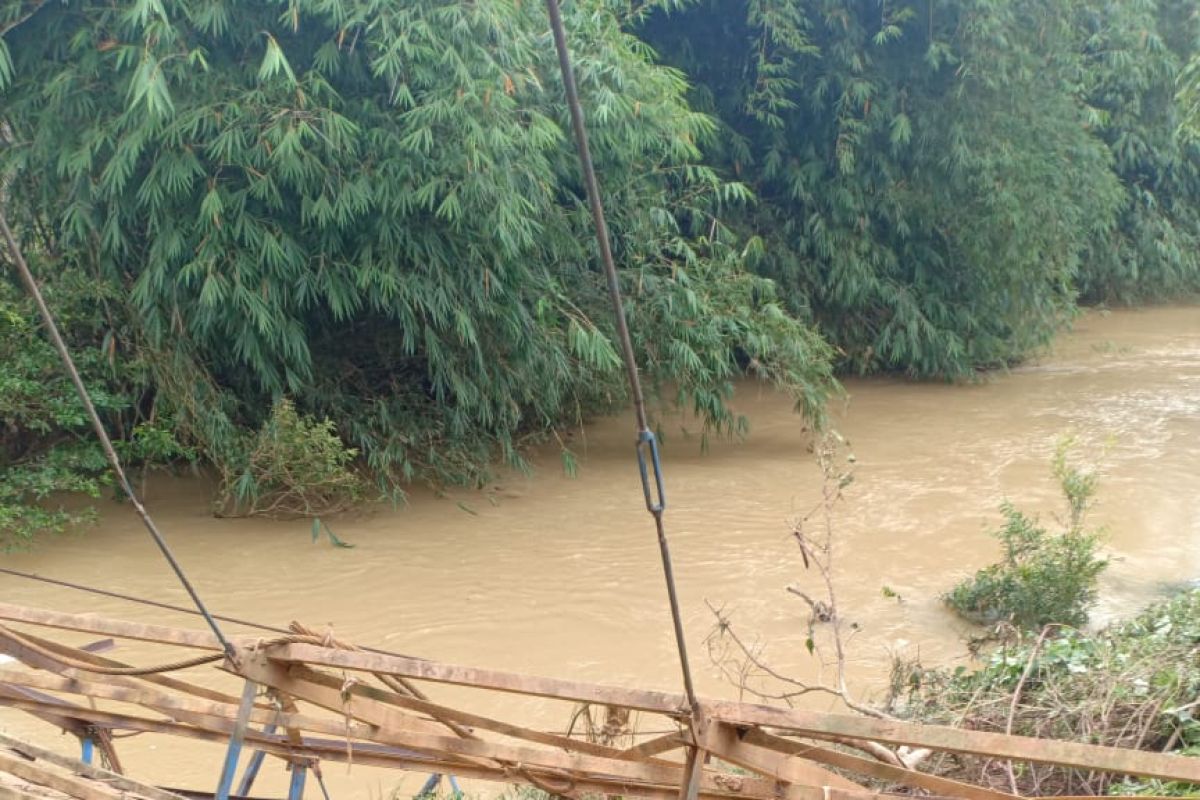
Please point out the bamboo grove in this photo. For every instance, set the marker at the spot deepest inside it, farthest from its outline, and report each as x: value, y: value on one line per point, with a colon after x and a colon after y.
x: 351, y: 233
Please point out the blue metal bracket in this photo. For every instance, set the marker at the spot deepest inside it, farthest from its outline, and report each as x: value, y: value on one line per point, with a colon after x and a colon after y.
x: 249, y: 692
x: 296, y: 787
x: 316, y: 768
x: 253, y: 767
x: 429, y: 788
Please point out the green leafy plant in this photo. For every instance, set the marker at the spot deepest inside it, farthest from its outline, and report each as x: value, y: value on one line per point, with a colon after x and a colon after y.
x: 295, y: 466
x: 47, y: 450
x: 318, y: 527
x: 1189, y: 100
x: 1134, y: 55
x: 926, y: 181
x: 1043, y: 578
x: 1133, y: 684
x: 374, y: 209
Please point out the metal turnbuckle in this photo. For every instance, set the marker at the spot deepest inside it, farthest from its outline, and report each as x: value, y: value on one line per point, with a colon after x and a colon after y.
x: 648, y: 441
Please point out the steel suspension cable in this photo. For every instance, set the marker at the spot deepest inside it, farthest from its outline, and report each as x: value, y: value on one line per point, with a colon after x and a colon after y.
x: 114, y: 461
x: 647, y: 443
x: 16, y: 573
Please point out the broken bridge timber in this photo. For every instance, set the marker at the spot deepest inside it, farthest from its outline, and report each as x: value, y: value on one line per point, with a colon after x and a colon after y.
x: 307, y: 698
x: 29, y: 772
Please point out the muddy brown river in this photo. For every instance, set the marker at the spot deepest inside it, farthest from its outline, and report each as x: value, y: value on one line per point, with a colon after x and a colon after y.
x: 560, y: 576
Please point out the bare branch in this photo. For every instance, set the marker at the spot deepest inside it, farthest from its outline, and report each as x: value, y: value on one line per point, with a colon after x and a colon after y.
x: 1016, y: 698
x: 743, y: 663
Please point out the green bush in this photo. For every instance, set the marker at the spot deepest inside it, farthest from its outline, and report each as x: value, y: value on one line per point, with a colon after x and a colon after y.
x: 45, y: 444
x: 295, y: 466
x: 1044, y: 578
x: 1133, y: 684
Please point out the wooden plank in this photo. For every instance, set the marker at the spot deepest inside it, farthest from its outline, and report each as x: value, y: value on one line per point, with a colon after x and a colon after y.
x: 165, y: 681
x: 958, y: 740
x: 454, y: 715
x: 70, y: 785
x: 397, y: 685
x: 714, y: 785
x: 219, y: 728
x: 693, y: 771
x: 336, y: 750
x: 873, y: 768
x: 61, y: 719
x: 295, y: 735
x: 271, y: 743
x: 113, y: 779
x: 660, y: 702
x: 274, y: 743
x: 36, y: 659
x: 259, y: 668
x: 119, y: 721
x: 15, y: 792
x: 724, y: 743
x: 381, y: 715
x: 655, y: 746
x: 137, y: 631
x: 815, y: 725
x: 168, y: 704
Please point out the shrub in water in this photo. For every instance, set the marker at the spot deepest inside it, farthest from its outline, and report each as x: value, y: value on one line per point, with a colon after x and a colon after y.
x: 1044, y: 577
x: 294, y: 466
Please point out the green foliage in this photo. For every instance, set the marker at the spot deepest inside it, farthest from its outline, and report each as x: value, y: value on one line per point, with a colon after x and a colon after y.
x: 46, y: 445
x: 374, y: 209
x: 296, y: 466
x: 1159, y: 788
x: 319, y: 527
x: 1134, y: 54
x: 926, y: 183
x: 1133, y: 684
x: 1188, y: 98
x: 1043, y: 578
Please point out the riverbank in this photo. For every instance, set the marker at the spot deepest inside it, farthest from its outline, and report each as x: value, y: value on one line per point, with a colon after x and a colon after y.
x: 1134, y: 684
x: 560, y: 576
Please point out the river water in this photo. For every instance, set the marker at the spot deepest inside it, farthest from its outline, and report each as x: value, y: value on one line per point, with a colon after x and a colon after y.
x: 560, y: 576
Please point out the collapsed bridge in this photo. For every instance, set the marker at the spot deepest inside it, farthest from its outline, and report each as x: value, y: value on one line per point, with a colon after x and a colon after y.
x: 304, y: 698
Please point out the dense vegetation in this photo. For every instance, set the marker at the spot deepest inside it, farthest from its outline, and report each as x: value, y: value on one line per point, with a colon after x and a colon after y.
x: 269, y: 222
x: 1132, y: 684
x: 939, y: 180
x: 1188, y: 98
x: 372, y: 209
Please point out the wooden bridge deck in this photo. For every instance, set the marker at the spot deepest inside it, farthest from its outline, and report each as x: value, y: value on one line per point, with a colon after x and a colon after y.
x: 309, y: 698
